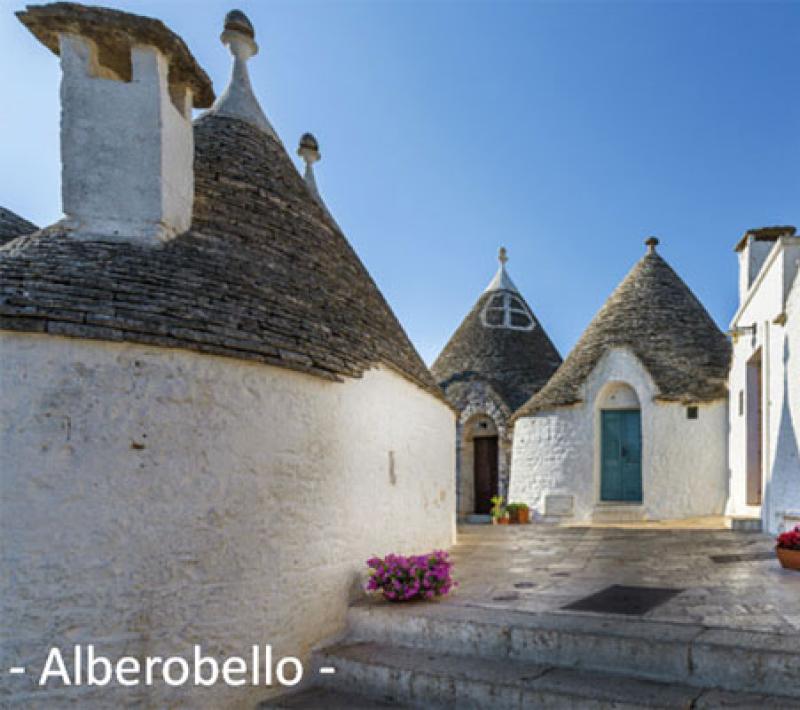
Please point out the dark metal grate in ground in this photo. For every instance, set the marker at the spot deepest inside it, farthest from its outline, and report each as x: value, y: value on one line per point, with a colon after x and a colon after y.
x: 742, y: 557
x: 618, y: 599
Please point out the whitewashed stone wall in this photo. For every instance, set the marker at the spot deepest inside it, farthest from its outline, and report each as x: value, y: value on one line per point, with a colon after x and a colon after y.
x: 772, y: 305
x: 684, y: 461
x: 153, y: 499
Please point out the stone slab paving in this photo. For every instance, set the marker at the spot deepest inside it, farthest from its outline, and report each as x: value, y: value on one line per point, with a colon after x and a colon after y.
x: 538, y: 568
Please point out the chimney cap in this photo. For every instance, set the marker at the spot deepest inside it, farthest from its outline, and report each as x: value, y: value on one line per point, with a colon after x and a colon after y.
x: 766, y: 234
x: 652, y: 243
x: 115, y: 33
x: 237, y: 21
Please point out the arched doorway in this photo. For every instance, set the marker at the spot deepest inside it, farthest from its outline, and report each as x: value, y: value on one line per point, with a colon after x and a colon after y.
x: 620, y: 444
x: 479, y: 464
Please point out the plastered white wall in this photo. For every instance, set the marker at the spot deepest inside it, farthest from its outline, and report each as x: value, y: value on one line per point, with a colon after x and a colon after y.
x: 785, y: 487
x: 154, y: 498
x: 139, y: 188
x: 684, y: 461
x: 772, y: 305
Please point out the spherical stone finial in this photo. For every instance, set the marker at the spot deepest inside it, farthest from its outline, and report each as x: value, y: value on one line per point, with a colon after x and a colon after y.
x: 502, y: 256
x: 237, y: 21
x: 308, y: 149
x: 652, y: 243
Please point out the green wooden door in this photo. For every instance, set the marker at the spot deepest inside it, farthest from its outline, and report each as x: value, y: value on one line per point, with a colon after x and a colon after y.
x: 621, y: 455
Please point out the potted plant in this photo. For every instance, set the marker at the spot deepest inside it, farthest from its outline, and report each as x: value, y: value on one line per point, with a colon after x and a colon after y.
x: 402, y: 579
x: 788, y: 549
x: 519, y: 513
x: 499, y: 512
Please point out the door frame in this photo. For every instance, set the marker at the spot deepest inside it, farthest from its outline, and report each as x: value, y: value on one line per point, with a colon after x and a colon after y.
x: 494, y: 481
x: 754, y: 429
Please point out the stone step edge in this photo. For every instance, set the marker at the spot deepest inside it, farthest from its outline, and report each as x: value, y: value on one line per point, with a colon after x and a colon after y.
x: 587, y: 623
x: 733, y: 659
x: 435, y: 676
x: 318, y: 698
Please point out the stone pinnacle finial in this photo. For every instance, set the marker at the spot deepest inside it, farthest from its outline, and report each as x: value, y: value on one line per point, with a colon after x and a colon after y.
x: 238, y: 100
x: 237, y: 21
x: 652, y: 243
x: 502, y: 281
x: 308, y: 150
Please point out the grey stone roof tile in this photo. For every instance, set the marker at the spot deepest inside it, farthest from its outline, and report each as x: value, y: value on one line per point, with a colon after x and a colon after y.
x: 13, y: 226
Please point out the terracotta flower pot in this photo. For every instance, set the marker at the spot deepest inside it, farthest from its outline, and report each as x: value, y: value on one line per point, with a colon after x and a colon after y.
x: 790, y: 559
x: 519, y: 516
x: 502, y: 521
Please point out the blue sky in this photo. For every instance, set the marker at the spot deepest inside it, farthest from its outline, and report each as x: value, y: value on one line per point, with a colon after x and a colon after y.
x: 566, y: 131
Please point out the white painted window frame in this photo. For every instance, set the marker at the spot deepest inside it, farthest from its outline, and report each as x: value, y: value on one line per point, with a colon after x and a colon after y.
x: 508, y: 308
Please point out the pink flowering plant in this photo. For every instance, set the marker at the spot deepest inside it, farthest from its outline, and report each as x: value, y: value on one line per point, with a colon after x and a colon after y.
x: 402, y: 579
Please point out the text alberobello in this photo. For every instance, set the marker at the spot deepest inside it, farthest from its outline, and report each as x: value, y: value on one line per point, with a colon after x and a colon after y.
x: 91, y: 669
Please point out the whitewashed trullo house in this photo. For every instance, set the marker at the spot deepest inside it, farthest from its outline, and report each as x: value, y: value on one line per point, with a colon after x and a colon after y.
x: 210, y: 415
x: 633, y: 425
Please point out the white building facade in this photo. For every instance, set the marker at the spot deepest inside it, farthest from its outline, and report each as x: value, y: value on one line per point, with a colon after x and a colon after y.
x: 764, y: 437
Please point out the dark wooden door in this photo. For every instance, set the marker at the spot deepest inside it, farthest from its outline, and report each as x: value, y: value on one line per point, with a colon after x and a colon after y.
x: 485, y: 463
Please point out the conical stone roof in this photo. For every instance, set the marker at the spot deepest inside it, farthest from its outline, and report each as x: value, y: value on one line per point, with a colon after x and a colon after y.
x: 515, y: 362
x: 654, y: 315
x: 13, y: 226
x: 264, y: 273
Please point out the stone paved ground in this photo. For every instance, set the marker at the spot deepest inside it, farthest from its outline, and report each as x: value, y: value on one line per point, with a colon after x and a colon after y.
x: 538, y: 568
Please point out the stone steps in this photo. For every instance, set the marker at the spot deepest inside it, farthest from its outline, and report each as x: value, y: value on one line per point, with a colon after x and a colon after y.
x: 447, y: 655
x: 373, y: 675
x: 623, y: 513
x: 731, y: 659
x: 327, y: 699
x: 424, y: 678
x: 740, y: 523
